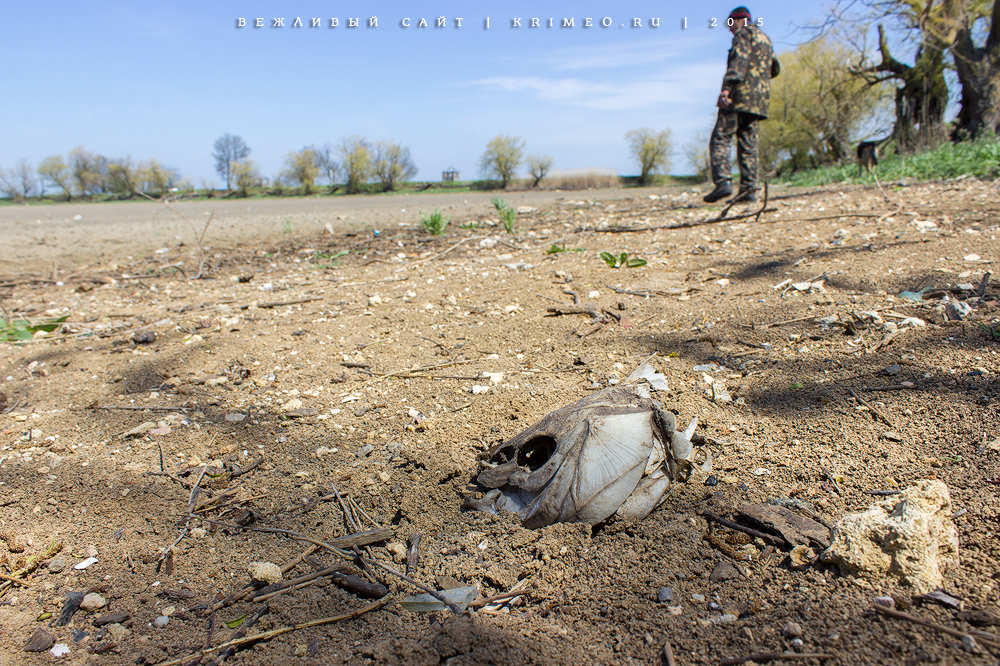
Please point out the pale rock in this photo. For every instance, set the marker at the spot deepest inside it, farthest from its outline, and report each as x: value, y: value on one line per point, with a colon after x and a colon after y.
x: 265, y: 572
x: 910, y: 536
x: 292, y: 404
x: 92, y: 601
x: 375, y: 299
x: 398, y: 551
x: 161, y: 621
x: 198, y: 532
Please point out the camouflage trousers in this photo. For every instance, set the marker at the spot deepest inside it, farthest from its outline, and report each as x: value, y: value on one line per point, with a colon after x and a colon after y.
x: 744, y: 126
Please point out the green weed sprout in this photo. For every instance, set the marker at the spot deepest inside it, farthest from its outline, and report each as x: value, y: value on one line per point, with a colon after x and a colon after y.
x: 21, y: 330
x: 507, y: 216
x: 622, y: 260
x: 435, y: 223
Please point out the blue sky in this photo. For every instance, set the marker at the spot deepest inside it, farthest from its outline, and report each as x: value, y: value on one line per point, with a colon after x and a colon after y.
x: 164, y: 80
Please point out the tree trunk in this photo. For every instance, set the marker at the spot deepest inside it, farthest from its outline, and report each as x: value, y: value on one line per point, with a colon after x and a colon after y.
x: 978, y: 70
x: 922, y: 98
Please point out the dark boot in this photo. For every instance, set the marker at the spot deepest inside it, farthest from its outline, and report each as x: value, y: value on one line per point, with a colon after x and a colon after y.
x: 721, y: 191
x: 745, y: 196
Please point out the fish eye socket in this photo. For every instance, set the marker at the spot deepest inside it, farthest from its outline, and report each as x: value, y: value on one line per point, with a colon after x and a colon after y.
x: 536, y: 452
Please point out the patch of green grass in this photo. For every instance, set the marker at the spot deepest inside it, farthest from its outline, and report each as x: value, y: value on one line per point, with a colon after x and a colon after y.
x: 22, y: 329
x: 622, y: 260
x: 556, y: 249
x: 471, y: 224
x: 436, y: 223
x: 330, y: 260
x: 979, y: 158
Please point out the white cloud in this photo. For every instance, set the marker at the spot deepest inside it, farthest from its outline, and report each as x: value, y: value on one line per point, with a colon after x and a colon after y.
x: 679, y: 85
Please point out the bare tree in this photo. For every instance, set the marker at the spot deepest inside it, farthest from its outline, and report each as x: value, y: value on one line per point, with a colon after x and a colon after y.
x: 696, y: 152
x: 392, y: 164
x: 539, y: 167
x: 54, y: 170
x: 328, y: 164
x: 229, y: 150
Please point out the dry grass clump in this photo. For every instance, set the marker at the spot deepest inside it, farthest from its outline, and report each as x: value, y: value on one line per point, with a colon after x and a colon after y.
x: 581, y: 179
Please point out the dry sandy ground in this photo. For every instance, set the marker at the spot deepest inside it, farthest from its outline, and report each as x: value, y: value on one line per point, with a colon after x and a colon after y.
x: 358, y: 373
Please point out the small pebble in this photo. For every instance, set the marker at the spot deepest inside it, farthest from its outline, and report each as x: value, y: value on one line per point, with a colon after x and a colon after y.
x: 797, y: 643
x: 299, y: 650
x: 712, y: 481
x: 40, y: 641
x: 888, y: 602
x: 723, y: 571
x: 265, y: 572
x: 714, y: 606
x: 90, y: 551
x: 700, y: 598
x: 792, y: 630
x: 665, y: 595
x: 724, y: 619
x: 398, y: 550
x: 198, y: 532
x: 969, y: 644
x: 161, y: 621
x: 57, y: 564
x: 92, y: 601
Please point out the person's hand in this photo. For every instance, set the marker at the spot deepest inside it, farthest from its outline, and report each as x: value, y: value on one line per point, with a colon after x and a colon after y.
x: 724, y: 100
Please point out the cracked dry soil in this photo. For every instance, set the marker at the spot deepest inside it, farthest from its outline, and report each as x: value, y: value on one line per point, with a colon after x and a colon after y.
x: 359, y: 372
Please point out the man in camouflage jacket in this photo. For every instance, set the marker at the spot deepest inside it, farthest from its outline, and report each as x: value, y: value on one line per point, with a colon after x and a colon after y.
x: 744, y: 101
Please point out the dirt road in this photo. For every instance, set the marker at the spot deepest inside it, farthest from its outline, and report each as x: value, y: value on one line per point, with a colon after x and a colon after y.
x: 72, y: 234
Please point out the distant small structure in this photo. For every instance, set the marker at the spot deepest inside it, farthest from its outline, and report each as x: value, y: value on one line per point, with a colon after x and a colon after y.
x: 449, y: 176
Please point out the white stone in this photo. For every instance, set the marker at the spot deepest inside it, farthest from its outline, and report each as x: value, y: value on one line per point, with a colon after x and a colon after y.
x: 92, y: 601
x: 265, y: 572
x: 909, y: 536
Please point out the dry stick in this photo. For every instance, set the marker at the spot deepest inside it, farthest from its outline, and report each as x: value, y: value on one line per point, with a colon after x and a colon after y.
x: 349, y: 541
x: 187, y: 523
x: 267, y: 592
x: 775, y: 656
x: 878, y: 412
x: 343, y: 507
x: 932, y: 625
x: 268, y: 635
x: 770, y: 538
x: 500, y: 597
x: 441, y: 254
x: 30, y: 567
x: 278, y: 304
x: 13, y: 579
x: 247, y: 590
x: 237, y: 472
x: 228, y: 651
x: 139, y: 408
x: 408, y: 373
